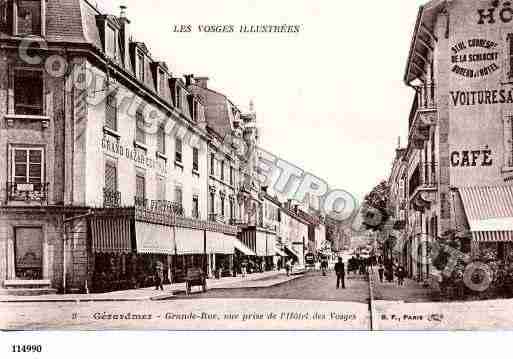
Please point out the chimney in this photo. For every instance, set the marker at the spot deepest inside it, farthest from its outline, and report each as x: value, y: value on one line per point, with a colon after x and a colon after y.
x: 188, y: 79
x: 125, y: 36
x: 202, y: 82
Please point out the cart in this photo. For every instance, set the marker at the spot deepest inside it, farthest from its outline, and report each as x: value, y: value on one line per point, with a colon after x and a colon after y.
x: 195, y: 277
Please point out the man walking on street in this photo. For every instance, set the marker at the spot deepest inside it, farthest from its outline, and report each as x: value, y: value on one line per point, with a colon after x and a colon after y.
x: 381, y: 272
x: 341, y: 273
x: 159, y: 276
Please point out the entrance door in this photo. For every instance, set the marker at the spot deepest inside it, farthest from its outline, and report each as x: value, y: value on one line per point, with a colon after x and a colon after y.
x: 29, y: 253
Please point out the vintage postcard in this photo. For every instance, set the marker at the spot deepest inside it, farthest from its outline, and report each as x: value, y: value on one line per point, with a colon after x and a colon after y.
x: 244, y: 165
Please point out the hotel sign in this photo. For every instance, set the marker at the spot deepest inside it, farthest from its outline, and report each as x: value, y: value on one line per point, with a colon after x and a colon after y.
x: 475, y: 58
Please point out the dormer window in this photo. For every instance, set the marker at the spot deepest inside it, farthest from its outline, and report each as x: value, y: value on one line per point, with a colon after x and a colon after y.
x: 110, y: 41
x: 179, y: 97
x: 28, y: 17
x: 140, y: 66
x: 161, y: 81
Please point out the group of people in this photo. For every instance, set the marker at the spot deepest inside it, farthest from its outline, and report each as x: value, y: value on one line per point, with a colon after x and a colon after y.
x: 396, y: 270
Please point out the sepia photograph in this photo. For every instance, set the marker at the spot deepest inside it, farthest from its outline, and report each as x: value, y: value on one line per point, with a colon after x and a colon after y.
x: 256, y: 166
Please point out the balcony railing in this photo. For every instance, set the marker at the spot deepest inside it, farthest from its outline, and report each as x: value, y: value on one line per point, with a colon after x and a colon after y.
x: 28, y: 192
x: 111, y: 198
x: 159, y: 206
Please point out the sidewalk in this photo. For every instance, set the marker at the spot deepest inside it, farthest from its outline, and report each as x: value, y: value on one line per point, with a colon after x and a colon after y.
x: 410, y: 292
x: 257, y: 280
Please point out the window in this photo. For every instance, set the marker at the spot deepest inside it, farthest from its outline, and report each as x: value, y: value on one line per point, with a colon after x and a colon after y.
x: 111, y: 112
x: 178, y: 195
x: 27, y: 165
x: 111, y: 176
x: 110, y: 41
x: 29, y: 17
x: 161, y: 82
x: 195, y: 207
x: 222, y: 170
x: 161, y: 188
x: 195, y: 159
x: 28, y: 92
x: 161, y: 140
x: 178, y: 150
x: 178, y: 97
x: 222, y: 206
x: 231, y: 208
x: 140, y: 186
x: 140, y: 66
x: 212, y: 203
x: 232, y: 176
x: 140, y: 132
x: 212, y: 164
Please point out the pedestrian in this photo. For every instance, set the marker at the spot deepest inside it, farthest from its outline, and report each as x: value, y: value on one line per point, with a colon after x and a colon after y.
x: 287, y: 267
x: 324, y: 266
x: 159, y: 276
x: 381, y: 272
x: 341, y: 273
x: 244, y: 269
x: 400, y: 275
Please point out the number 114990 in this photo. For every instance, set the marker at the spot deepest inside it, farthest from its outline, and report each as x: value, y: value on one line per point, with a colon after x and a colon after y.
x: 26, y: 348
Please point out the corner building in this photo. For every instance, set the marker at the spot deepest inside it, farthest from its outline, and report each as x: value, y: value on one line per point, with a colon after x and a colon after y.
x: 459, y: 159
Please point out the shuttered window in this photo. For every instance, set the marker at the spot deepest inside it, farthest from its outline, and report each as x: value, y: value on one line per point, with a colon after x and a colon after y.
x: 140, y: 186
x: 111, y: 176
x: 178, y: 150
x: 178, y: 195
x: 111, y: 112
x: 27, y: 165
x: 195, y: 159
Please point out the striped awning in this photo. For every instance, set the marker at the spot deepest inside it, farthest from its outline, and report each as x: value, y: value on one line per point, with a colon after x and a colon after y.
x: 111, y: 234
x: 291, y: 251
x: 220, y: 243
x: 243, y: 248
x: 154, y: 238
x: 489, y: 212
x: 190, y: 241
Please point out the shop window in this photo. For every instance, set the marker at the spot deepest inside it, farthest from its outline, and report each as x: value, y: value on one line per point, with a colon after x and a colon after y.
x: 110, y: 42
x: 140, y: 131
x: 178, y: 150
x: 28, y: 92
x: 29, y: 253
x: 29, y: 17
x: 195, y: 159
x: 161, y: 140
x: 111, y: 112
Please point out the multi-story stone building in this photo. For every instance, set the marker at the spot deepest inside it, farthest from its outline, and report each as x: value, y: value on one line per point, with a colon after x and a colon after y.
x: 459, y: 159
x: 104, y: 170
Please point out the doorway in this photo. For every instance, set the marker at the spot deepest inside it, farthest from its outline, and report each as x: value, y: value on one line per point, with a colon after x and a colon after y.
x: 28, y: 253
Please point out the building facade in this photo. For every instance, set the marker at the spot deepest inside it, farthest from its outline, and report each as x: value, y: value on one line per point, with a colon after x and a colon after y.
x: 459, y: 156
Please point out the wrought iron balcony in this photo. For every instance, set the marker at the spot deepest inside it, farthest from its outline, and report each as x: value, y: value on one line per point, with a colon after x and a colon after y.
x: 159, y: 206
x: 111, y: 198
x: 27, y: 192
x: 423, y: 115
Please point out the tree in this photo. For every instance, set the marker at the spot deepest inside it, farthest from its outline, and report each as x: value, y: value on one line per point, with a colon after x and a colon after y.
x: 375, y: 207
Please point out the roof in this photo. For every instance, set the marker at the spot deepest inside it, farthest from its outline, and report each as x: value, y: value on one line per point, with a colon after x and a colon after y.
x: 422, y: 39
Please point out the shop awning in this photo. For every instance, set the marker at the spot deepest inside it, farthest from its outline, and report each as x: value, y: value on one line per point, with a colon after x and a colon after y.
x: 220, y: 243
x: 243, y: 248
x: 489, y: 212
x: 280, y: 253
x: 190, y: 241
x: 111, y: 234
x: 154, y: 238
x: 291, y: 252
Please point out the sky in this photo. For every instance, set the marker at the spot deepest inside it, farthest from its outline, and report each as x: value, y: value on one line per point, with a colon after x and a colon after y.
x: 329, y: 99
